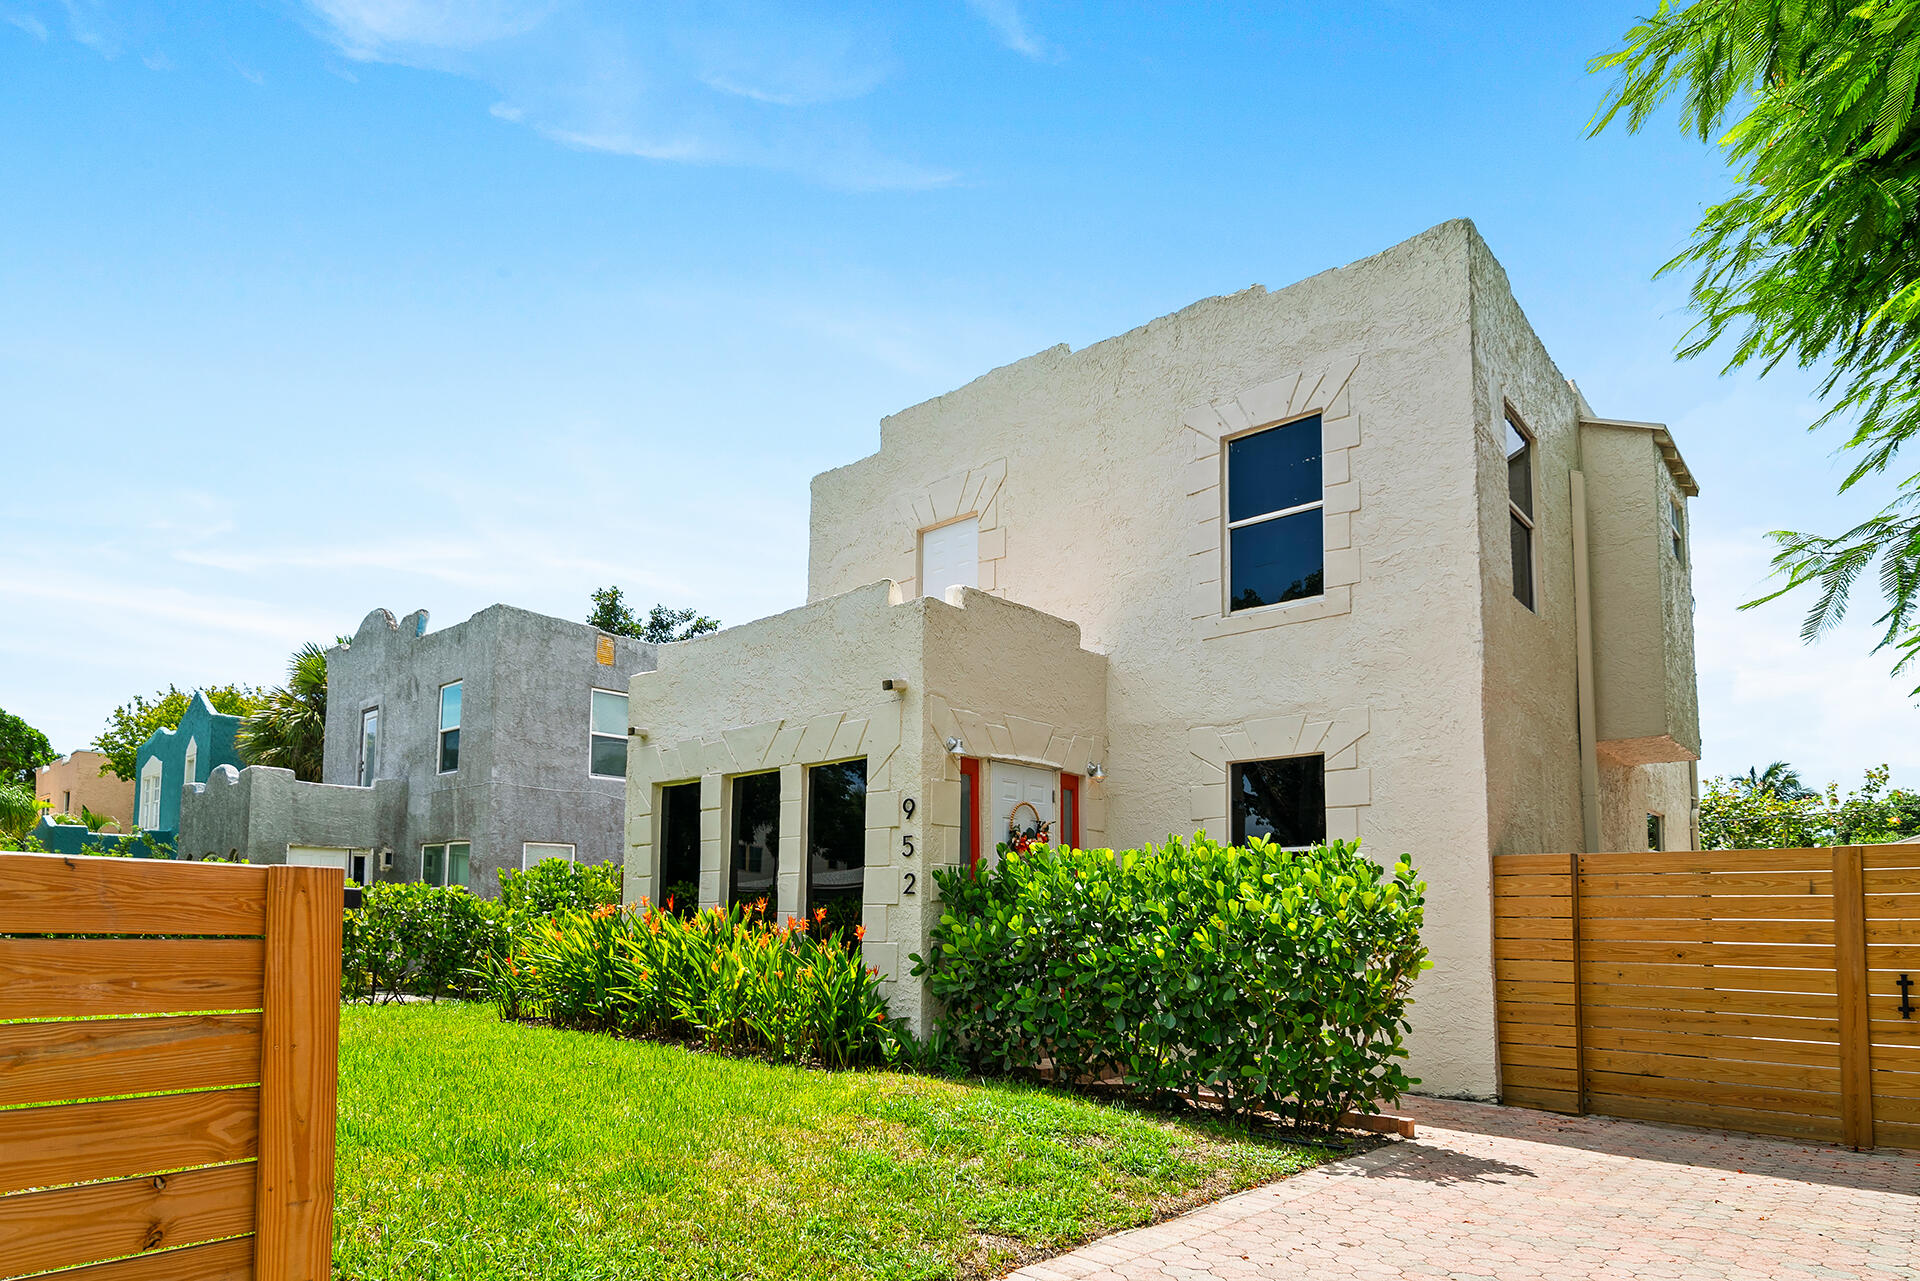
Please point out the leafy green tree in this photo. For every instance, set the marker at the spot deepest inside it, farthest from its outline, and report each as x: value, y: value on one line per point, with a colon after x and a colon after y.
x: 133, y: 723
x: 1779, y: 778
x: 19, y: 811
x: 661, y: 626
x: 1815, y: 256
x: 288, y: 729
x: 23, y: 749
x: 1735, y: 815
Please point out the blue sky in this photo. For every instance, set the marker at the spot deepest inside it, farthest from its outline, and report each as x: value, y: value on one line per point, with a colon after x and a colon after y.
x: 310, y: 308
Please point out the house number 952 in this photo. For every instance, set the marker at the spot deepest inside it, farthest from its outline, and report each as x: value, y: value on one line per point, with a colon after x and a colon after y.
x: 906, y: 846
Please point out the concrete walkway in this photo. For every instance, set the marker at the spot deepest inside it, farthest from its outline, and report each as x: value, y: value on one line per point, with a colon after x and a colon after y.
x: 1505, y: 1193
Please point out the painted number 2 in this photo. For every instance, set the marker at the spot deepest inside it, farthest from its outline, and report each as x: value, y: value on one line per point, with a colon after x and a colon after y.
x: 909, y: 886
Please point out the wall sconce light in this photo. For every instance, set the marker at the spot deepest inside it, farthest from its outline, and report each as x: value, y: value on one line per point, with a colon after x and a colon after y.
x: 955, y: 747
x: 637, y: 731
x: 894, y: 684
x: 1096, y: 771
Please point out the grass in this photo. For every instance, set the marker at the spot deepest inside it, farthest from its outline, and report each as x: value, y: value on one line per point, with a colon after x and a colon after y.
x: 479, y: 1149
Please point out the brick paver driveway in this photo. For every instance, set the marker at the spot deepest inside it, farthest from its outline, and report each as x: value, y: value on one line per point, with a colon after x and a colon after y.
x: 1500, y: 1193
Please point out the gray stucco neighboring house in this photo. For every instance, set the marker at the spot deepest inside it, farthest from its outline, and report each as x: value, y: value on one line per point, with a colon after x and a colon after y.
x: 450, y: 755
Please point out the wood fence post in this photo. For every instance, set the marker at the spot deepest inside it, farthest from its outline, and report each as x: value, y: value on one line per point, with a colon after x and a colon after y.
x: 299, y: 1071
x: 1850, y: 956
x: 1579, y: 1019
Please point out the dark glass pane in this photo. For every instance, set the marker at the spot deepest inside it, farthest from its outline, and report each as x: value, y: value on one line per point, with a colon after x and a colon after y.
x: 1522, y: 561
x: 1284, y: 801
x: 609, y: 756
x: 433, y: 866
x: 449, y: 751
x: 679, y: 886
x: 1069, y: 816
x: 756, y: 842
x: 1274, y: 469
x: 837, y: 844
x: 969, y: 821
x: 1277, y: 560
x: 1519, y: 469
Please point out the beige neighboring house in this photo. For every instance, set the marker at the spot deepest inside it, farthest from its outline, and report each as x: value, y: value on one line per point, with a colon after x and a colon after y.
x: 75, y: 780
x: 1351, y: 559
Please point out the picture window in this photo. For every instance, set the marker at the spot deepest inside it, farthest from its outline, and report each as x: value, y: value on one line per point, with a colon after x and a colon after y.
x: 1276, y: 523
x: 1283, y: 801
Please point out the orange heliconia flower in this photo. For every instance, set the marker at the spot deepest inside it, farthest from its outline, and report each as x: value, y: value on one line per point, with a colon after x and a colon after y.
x: 860, y: 933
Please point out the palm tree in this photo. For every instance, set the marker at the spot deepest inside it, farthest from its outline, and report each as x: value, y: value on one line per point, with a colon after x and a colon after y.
x: 290, y: 729
x: 1778, y: 779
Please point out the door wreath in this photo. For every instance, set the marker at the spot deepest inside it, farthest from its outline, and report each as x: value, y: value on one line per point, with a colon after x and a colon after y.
x: 1021, y: 838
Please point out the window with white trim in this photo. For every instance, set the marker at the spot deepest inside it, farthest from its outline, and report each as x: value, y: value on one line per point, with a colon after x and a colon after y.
x: 192, y: 763
x: 1676, y: 525
x: 150, y: 775
x: 450, y: 727
x: 1276, y: 523
x: 369, y: 745
x: 950, y: 557
x: 1520, y: 510
x: 533, y: 853
x: 445, y: 863
x: 607, y: 734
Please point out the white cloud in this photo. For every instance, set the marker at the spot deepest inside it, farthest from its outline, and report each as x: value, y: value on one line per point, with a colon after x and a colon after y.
x: 25, y: 22
x: 368, y: 28
x: 1010, y: 25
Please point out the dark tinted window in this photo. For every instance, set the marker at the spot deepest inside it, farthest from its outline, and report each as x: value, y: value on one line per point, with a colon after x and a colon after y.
x: 1274, y: 469
x: 449, y: 750
x: 1284, y: 801
x: 609, y: 756
x: 756, y: 842
x: 1276, y: 560
x: 679, y: 882
x: 1519, y: 469
x: 837, y: 843
x: 1522, y: 561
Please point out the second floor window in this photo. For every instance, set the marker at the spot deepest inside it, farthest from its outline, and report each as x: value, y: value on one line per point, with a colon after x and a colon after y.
x: 1276, y: 530
x: 369, y: 744
x: 607, y: 735
x: 1520, y: 509
x: 1677, y: 527
x: 450, y: 727
x: 950, y: 557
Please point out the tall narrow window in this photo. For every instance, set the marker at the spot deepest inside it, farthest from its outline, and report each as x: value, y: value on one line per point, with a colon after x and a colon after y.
x: 1276, y: 530
x: 369, y: 745
x: 1070, y: 811
x: 969, y: 811
x: 150, y: 776
x: 1677, y: 527
x: 607, y: 735
x: 1656, y: 832
x: 1284, y: 801
x: 837, y: 843
x: 679, y: 883
x: 1520, y: 509
x: 450, y: 727
x: 950, y: 557
x: 756, y: 843
x: 191, y: 767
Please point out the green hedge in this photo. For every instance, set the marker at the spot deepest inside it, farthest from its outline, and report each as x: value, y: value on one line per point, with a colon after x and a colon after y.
x: 407, y: 938
x: 1272, y: 979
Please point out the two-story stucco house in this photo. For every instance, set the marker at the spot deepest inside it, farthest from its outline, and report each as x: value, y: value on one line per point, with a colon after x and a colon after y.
x: 1351, y: 559
x: 451, y: 755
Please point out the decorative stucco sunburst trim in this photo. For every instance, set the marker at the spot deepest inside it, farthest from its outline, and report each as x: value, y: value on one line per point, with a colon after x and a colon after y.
x: 970, y: 493
x: 1022, y: 741
x: 1338, y: 737
x: 1207, y: 428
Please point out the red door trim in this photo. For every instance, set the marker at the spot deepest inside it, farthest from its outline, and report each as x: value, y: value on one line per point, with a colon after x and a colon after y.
x: 970, y: 806
x: 1070, y: 831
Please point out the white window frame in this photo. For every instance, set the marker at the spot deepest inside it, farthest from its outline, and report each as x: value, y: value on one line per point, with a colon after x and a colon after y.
x: 527, y: 862
x: 1228, y: 526
x: 920, y: 551
x: 1512, y: 419
x: 593, y: 733
x: 366, y: 767
x: 1677, y: 527
x: 190, y: 762
x: 446, y: 861
x: 440, y: 718
x: 1656, y: 823
x: 152, y: 774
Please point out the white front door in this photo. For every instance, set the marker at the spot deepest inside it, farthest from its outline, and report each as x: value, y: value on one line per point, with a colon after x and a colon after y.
x: 1014, y: 785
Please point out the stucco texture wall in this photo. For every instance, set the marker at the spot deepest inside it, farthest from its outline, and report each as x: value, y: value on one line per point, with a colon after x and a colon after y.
x: 804, y: 688
x: 1101, y: 471
x: 256, y: 813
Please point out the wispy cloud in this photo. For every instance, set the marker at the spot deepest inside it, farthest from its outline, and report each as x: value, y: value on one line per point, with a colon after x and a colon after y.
x: 24, y: 21
x: 1011, y: 26
x: 744, y: 82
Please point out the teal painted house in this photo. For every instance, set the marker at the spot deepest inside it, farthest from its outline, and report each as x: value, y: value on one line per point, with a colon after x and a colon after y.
x: 172, y: 758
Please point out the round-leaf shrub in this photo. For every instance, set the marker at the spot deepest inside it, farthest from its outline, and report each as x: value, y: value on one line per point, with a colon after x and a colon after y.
x: 1264, y: 978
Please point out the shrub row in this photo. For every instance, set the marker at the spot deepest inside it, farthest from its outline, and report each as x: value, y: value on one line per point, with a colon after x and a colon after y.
x: 1270, y: 979
x: 720, y: 978
x: 424, y: 940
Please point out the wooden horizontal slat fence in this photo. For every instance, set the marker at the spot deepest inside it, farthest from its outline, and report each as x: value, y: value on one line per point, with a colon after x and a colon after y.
x: 167, y: 1092
x: 1753, y: 990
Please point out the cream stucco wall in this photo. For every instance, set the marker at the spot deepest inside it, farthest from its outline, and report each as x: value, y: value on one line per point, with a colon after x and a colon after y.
x: 1100, y: 471
x: 805, y: 688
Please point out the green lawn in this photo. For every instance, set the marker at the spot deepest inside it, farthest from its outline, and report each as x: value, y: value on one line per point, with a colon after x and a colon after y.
x: 473, y: 1148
